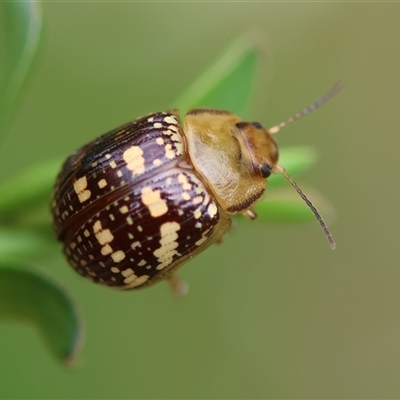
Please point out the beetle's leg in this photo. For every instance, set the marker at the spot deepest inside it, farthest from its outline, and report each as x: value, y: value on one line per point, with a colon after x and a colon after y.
x: 177, y: 286
x: 250, y: 213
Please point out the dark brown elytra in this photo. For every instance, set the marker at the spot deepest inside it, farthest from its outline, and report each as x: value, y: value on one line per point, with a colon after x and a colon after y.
x: 118, y: 208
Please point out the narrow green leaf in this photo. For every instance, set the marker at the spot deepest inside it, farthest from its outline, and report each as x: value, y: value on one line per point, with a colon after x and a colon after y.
x: 229, y: 83
x: 28, y: 295
x: 28, y: 190
x: 285, y: 205
x: 20, y: 31
x: 295, y: 160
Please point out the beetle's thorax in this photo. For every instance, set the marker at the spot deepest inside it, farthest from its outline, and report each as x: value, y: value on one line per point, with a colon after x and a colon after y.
x: 227, y: 153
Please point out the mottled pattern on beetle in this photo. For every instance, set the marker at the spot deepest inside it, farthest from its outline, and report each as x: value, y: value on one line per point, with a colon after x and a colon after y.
x: 145, y: 232
x: 121, y: 157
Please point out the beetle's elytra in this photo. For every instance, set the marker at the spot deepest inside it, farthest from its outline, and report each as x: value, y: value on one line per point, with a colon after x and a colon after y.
x: 135, y: 204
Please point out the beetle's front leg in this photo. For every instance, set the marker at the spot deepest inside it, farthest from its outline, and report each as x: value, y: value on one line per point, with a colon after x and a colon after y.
x: 177, y: 286
x: 250, y: 213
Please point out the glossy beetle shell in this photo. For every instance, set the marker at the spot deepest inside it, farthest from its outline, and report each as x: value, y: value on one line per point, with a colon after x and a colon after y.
x: 138, y: 202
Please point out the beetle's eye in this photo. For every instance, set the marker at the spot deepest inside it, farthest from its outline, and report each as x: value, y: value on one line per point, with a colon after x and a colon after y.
x: 265, y: 170
x: 257, y: 125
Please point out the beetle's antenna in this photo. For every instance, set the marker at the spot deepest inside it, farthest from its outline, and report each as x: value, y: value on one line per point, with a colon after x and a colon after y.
x: 328, y: 235
x: 327, y: 96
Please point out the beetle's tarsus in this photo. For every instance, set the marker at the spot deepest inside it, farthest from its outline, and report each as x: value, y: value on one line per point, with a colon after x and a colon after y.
x: 177, y: 286
x: 250, y: 213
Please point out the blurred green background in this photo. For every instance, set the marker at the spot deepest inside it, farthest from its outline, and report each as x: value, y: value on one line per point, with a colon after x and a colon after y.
x: 272, y: 312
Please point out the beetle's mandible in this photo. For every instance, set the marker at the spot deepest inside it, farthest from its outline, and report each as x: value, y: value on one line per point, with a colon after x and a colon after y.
x: 135, y: 204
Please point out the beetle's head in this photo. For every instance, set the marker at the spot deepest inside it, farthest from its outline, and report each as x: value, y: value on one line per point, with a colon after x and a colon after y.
x: 264, y: 150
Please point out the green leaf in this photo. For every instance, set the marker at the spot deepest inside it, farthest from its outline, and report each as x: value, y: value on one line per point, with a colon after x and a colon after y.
x: 24, y: 242
x: 20, y: 31
x: 229, y: 83
x: 28, y: 295
x: 28, y: 190
x: 285, y: 205
x: 295, y: 160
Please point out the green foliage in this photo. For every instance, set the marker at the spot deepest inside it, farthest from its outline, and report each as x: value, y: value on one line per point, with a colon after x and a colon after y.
x: 21, y: 29
x: 229, y: 82
x: 28, y: 295
x: 25, y: 293
x: 27, y: 191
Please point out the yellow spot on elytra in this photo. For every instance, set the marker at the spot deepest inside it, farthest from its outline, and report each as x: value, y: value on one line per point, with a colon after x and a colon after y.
x: 152, y: 199
x: 166, y: 252
x: 86, y: 233
x: 169, y: 153
x: 206, y: 198
x: 133, y: 280
x: 102, y: 183
x: 197, y: 214
x: 142, y: 263
x: 134, y: 159
x: 157, y: 161
x: 129, y: 220
x: 115, y: 270
x: 197, y: 200
x: 168, y: 181
x: 179, y: 148
x: 182, y: 179
x: 113, y: 164
x: 127, y: 272
x: 119, y: 173
x: 118, y: 256
x: 157, y: 125
x: 97, y: 226
x: 212, y: 210
x: 202, y: 239
x: 106, y: 250
x: 108, y: 156
x: 170, y: 120
x: 80, y: 186
x: 198, y: 189
x: 123, y: 210
x: 160, y: 141
x: 175, y: 137
x: 103, y: 236
x: 185, y: 196
x: 178, y: 143
x: 135, y: 244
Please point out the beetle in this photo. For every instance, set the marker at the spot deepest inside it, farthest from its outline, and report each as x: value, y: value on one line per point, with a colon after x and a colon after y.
x: 135, y: 204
